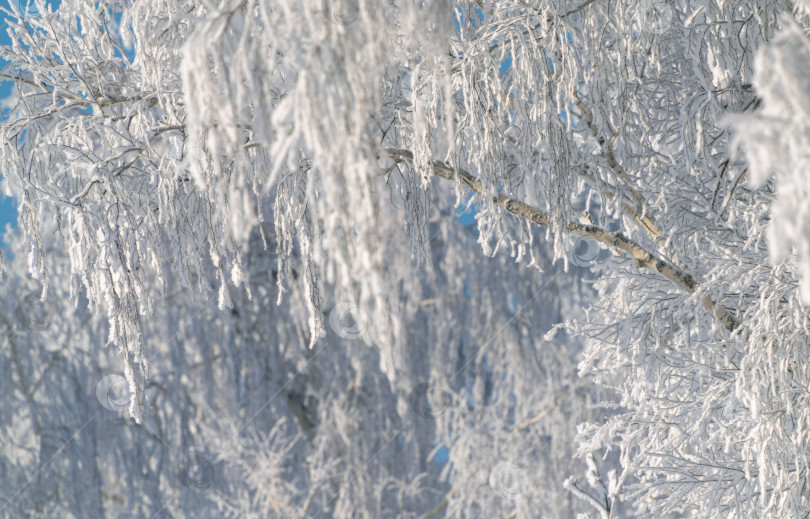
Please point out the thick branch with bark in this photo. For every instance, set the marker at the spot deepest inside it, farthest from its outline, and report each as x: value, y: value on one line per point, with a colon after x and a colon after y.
x: 615, y: 240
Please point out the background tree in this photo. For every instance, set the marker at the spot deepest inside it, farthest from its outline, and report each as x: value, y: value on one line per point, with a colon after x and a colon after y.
x: 315, y: 155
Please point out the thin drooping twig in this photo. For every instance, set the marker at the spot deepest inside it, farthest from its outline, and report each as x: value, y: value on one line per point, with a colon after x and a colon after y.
x: 731, y: 193
x: 615, y: 240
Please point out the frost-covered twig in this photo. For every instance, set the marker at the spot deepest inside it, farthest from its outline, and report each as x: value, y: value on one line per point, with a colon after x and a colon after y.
x: 571, y: 485
x: 638, y: 213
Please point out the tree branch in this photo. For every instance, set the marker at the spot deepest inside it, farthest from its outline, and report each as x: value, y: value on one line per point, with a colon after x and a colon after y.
x: 639, y: 213
x: 615, y: 240
x: 570, y: 484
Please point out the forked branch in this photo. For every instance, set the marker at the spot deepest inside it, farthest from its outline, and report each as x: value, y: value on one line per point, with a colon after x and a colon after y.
x: 615, y: 240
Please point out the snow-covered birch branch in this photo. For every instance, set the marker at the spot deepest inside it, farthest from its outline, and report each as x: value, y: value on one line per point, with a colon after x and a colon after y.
x: 615, y: 240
